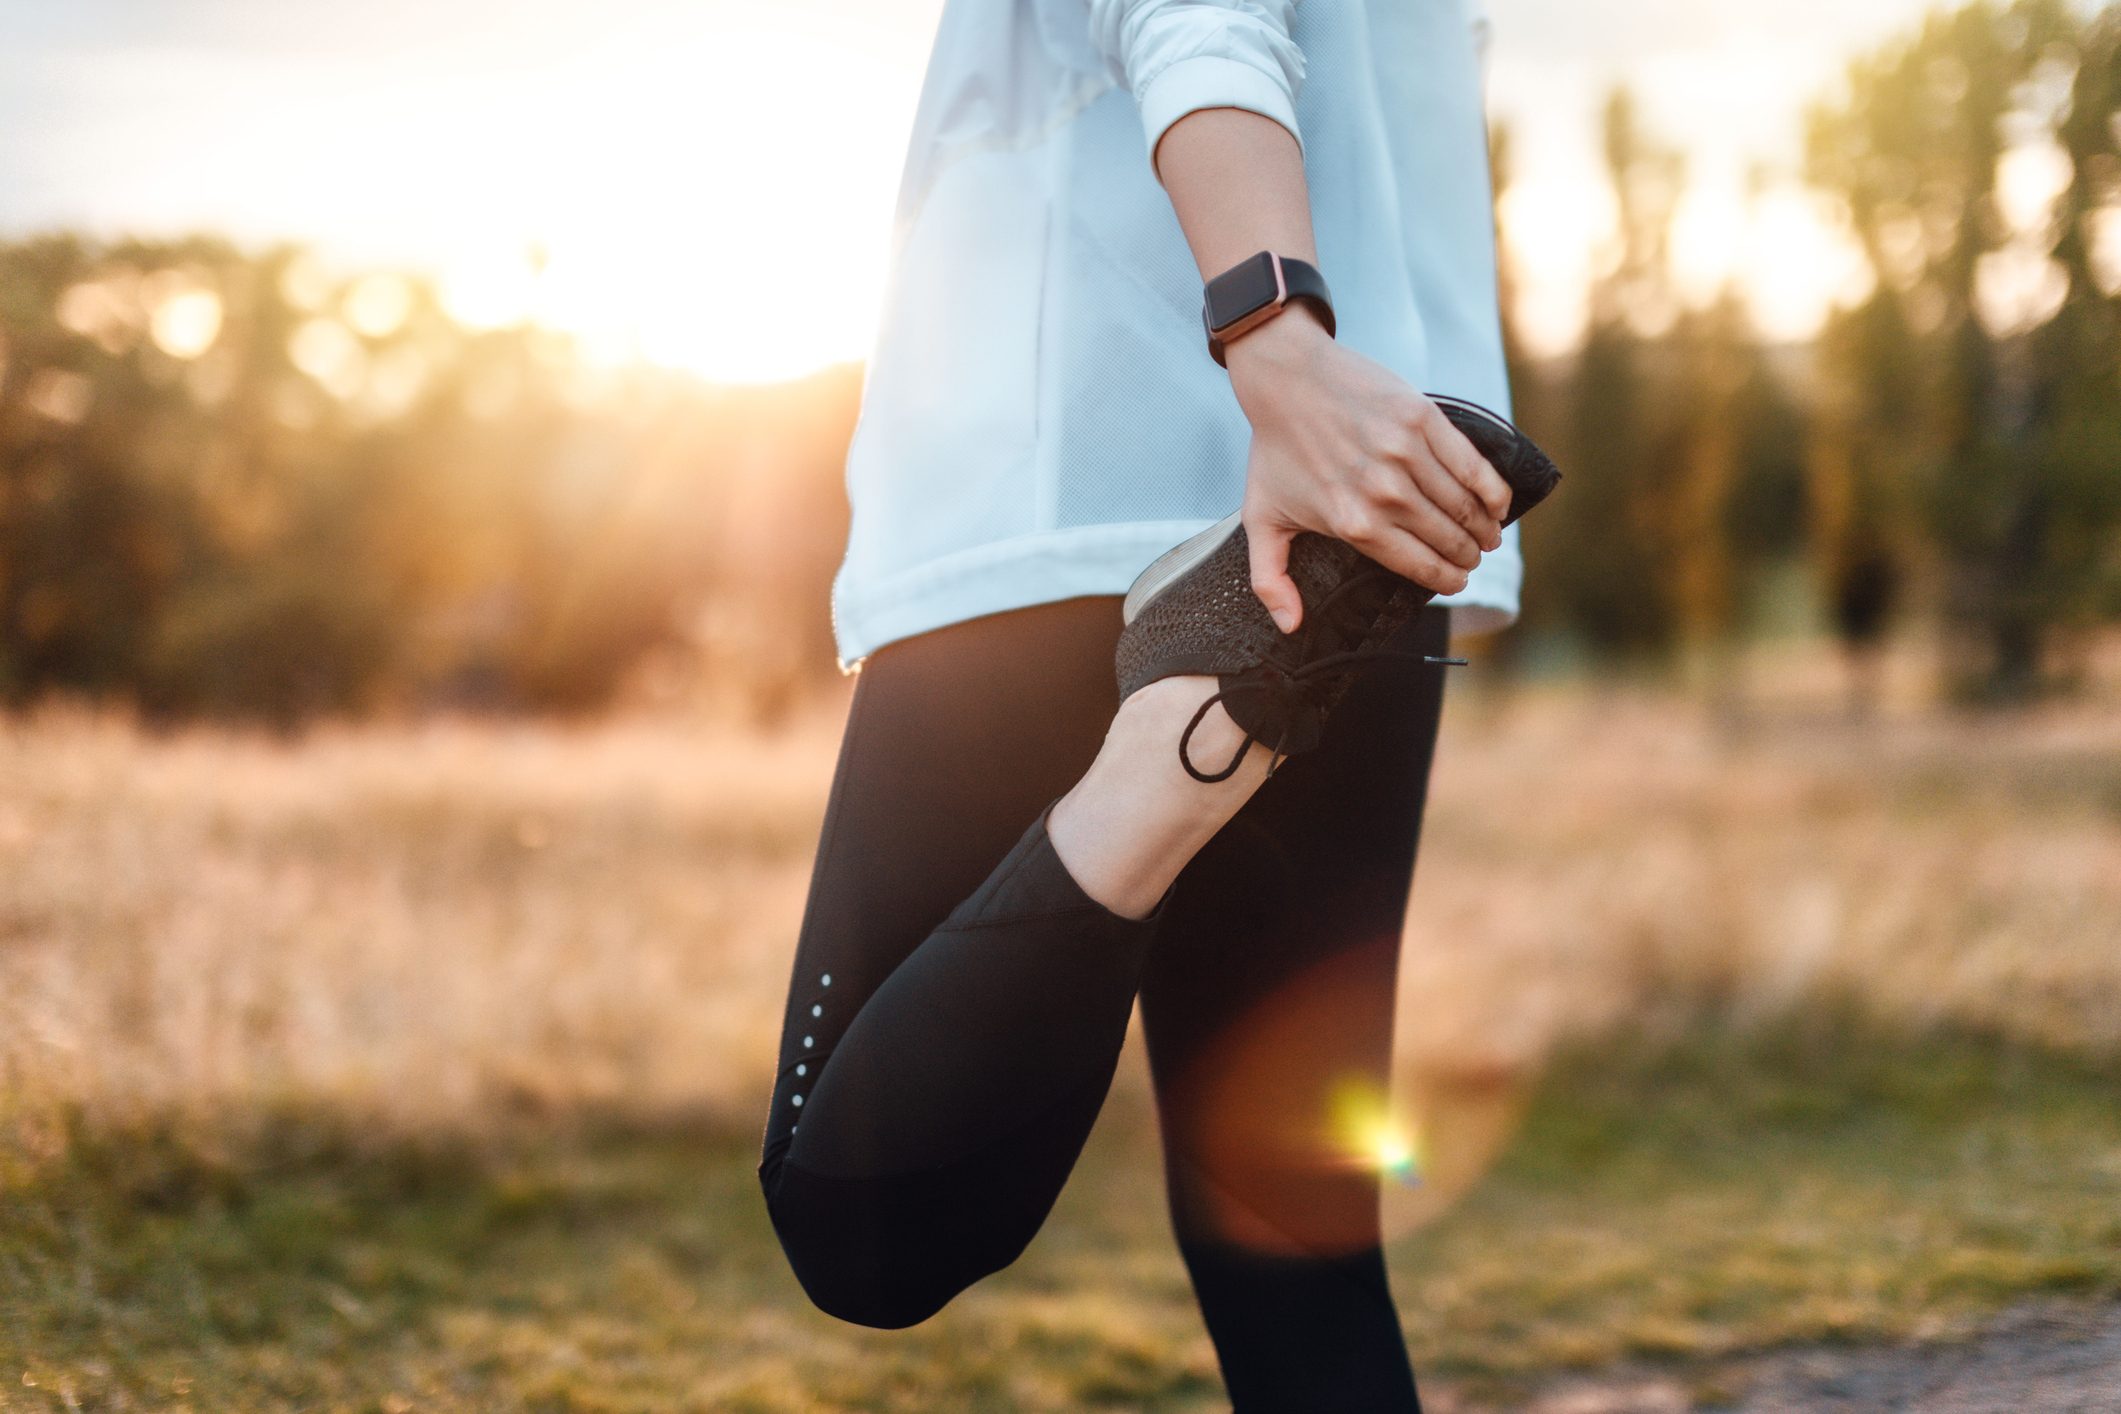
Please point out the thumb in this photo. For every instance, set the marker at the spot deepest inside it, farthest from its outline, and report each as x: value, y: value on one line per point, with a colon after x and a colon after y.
x: 1269, y: 547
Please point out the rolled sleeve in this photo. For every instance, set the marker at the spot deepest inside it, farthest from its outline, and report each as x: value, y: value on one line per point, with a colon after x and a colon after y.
x: 1180, y: 56
x: 1210, y: 81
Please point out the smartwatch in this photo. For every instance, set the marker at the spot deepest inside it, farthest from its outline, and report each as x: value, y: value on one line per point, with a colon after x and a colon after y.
x: 1256, y: 289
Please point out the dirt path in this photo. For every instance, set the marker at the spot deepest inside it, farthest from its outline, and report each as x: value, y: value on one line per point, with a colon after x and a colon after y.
x: 2044, y: 1359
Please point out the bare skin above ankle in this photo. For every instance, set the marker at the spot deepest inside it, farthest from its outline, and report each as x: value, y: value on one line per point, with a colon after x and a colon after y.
x: 1136, y: 818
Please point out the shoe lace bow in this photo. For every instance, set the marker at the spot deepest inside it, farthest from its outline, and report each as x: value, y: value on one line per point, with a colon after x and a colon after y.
x: 1312, y: 682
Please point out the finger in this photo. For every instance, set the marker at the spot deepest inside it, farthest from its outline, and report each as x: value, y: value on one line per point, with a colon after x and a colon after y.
x: 1410, y: 557
x: 1446, y: 488
x: 1406, y: 506
x: 1269, y: 547
x: 1472, y: 470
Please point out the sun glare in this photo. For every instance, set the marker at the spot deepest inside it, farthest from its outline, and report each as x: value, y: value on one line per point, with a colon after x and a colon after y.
x: 738, y: 229
x: 709, y: 186
x: 685, y: 182
x: 186, y: 322
x: 1553, y: 226
x: 1785, y: 251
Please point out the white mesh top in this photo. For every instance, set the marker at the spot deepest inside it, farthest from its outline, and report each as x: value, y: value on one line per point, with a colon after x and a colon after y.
x: 1040, y: 417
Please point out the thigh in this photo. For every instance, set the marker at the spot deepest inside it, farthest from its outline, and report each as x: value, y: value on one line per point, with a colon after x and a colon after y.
x: 955, y: 740
x: 1269, y: 1000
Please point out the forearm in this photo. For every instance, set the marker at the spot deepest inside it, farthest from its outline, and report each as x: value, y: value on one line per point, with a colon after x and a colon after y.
x: 1236, y: 180
x: 1340, y: 444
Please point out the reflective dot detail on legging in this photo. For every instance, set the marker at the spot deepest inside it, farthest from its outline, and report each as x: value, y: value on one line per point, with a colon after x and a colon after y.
x: 798, y: 1100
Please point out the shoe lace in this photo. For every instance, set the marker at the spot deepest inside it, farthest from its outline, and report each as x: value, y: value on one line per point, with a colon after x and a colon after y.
x: 1316, y: 676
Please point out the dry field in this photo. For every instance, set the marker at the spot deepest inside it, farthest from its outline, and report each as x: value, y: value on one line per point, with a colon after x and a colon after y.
x: 439, y: 938
x: 430, y: 924
x: 448, y: 922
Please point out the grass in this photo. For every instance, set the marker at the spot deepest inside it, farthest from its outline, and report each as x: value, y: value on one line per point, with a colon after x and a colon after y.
x: 416, y: 1067
x: 1680, y: 1205
x: 1818, y: 1181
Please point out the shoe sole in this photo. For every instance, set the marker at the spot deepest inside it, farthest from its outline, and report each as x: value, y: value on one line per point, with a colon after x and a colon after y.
x: 1176, y: 562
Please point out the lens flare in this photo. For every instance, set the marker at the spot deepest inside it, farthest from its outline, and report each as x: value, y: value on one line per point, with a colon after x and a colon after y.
x: 1396, y: 1156
x: 1372, y: 1136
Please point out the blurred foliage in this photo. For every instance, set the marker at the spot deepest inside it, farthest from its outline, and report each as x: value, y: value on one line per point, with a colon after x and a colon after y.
x: 1682, y: 436
x: 1950, y: 444
x: 234, y: 484
x: 1976, y: 397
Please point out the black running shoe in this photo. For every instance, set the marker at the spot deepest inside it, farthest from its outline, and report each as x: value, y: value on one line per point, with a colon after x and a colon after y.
x: 1193, y: 611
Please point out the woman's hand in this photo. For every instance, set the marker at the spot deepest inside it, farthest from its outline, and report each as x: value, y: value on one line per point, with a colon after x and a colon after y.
x: 1343, y: 446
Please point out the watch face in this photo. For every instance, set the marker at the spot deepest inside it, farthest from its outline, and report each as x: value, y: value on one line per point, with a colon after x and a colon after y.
x: 1241, y: 290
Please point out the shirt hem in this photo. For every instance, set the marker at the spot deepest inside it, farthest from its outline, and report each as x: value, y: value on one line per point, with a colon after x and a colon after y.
x: 1044, y: 568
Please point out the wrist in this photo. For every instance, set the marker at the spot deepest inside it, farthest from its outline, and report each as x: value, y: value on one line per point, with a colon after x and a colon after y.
x: 1290, y: 338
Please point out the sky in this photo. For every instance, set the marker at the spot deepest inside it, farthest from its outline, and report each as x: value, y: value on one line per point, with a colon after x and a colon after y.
x: 601, y: 166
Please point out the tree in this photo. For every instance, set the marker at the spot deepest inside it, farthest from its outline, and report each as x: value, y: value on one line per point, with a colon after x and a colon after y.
x: 1973, y: 408
x: 1604, y: 548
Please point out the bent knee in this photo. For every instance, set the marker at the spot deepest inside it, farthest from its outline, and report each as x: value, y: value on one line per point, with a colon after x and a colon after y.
x: 867, y: 1276
x: 870, y: 1299
x: 864, y: 1253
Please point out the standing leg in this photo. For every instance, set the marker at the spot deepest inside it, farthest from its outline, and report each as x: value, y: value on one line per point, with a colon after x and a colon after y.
x: 1267, y: 1005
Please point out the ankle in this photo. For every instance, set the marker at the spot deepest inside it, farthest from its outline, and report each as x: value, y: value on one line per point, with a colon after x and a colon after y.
x: 1152, y: 723
x: 1107, y: 860
x: 1136, y: 818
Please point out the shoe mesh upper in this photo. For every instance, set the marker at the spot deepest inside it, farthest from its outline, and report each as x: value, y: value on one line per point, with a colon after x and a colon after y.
x: 1210, y: 621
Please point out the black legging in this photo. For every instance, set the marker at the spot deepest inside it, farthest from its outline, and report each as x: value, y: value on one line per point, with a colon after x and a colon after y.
x: 954, y: 1023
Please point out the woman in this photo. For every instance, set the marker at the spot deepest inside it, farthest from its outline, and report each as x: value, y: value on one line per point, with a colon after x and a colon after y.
x: 1016, y: 845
